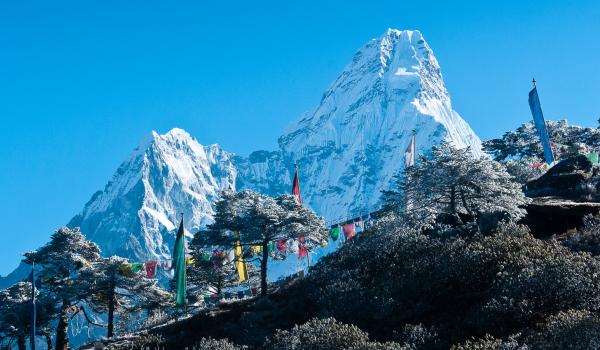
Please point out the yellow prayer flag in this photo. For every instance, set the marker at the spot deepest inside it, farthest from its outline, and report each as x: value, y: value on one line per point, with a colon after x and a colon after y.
x: 257, y: 249
x: 239, y: 260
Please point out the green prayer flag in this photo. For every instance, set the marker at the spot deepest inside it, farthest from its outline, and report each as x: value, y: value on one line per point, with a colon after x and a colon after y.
x: 137, y: 267
x: 206, y: 257
x: 271, y: 247
x: 179, y: 264
x: 335, y: 233
x: 593, y: 157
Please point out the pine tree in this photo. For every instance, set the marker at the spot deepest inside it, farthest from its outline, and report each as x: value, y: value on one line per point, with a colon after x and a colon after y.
x: 452, y: 181
x: 261, y: 219
x: 15, y: 314
x: 524, y: 142
x: 110, y: 289
x: 214, y: 271
x: 61, y: 260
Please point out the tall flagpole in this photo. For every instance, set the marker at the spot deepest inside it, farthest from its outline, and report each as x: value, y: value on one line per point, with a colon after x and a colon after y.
x: 33, y: 311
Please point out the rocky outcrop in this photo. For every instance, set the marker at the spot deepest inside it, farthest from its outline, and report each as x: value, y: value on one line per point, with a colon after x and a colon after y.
x: 574, y: 178
x: 562, y: 196
x: 547, y: 216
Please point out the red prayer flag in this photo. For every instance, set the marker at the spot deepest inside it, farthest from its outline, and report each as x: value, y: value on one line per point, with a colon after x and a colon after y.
x: 296, y: 187
x: 150, y: 268
x: 281, y: 245
x: 302, y: 251
x: 349, y: 230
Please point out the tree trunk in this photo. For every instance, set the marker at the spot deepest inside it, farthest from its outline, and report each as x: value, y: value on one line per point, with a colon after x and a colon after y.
x: 111, y: 307
x: 453, y: 200
x: 464, y: 202
x: 62, y: 337
x: 21, y: 342
x: 263, y: 268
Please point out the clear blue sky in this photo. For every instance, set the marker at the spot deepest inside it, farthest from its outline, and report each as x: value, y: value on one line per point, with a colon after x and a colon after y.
x: 82, y: 82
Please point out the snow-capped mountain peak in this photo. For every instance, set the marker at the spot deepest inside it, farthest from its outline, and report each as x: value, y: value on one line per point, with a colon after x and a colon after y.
x: 138, y: 210
x: 348, y: 150
x: 352, y: 144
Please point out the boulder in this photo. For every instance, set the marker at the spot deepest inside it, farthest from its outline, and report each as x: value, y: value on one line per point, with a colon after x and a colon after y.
x: 574, y: 178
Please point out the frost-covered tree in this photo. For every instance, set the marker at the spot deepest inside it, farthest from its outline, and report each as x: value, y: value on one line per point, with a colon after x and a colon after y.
x: 15, y: 314
x: 452, y: 181
x: 261, y: 219
x: 524, y: 142
x: 524, y: 169
x: 213, y: 270
x: 110, y: 289
x: 61, y: 261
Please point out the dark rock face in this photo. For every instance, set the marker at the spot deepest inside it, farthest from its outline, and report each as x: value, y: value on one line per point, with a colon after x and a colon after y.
x: 563, y: 196
x: 547, y: 216
x: 574, y: 178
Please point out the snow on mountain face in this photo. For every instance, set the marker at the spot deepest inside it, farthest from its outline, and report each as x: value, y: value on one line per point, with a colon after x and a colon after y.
x: 349, y: 148
x: 137, y: 213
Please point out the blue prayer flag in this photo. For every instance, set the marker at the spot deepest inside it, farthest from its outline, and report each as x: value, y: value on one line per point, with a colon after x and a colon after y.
x: 540, y: 124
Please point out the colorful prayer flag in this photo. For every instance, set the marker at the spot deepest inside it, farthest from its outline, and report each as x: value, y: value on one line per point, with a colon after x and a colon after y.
x: 360, y: 227
x: 281, y: 245
x: 125, y: 270
x: 190, y: 261
x: 296, y: 185
x: 137, y: 267
x: 165, y: 265
x: 271, y: 247
x: 540, y: 124
x: 368, y: 223
x: 411, y: 152
x: 150, y: 268
x: 257, y: 249
x: 349, y: 231
x: 302, y: 251
x: 334, y: 233
x: 231, y: 255
x: 294, y: 247
x: 179, y: 264
x: 240, y: 264
x: 593, y: 157
x: 218, y: 259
